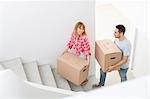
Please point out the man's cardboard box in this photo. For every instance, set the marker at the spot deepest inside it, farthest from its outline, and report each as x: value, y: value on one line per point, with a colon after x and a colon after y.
x: 107, y: 54
x: 72, y: 68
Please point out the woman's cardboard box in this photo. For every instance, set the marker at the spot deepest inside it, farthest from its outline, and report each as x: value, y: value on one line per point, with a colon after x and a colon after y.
x: 72, y: 68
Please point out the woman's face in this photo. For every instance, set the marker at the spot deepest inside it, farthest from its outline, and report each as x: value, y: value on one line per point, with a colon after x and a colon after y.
x: 80, y: 30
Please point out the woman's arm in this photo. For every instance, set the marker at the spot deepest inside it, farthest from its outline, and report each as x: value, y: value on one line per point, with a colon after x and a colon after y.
x: 71, y: 41
x: 88, y: 59
x: 87, y: 49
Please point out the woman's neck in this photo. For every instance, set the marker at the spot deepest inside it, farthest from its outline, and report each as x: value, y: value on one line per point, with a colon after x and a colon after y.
x: 77, y: 36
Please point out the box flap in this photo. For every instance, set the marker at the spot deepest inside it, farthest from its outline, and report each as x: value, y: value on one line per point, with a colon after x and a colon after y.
x: 108, y: 46
x: 73, y: 59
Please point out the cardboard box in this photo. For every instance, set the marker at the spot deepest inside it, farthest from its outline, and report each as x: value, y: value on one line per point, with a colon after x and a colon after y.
x: 107, y: 54
x: 72, y: 68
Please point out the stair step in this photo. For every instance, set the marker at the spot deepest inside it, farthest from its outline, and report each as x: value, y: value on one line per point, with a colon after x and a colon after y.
x: 16, y: 66
x: 75, y: 87
x: 32, y: 72
x: 1, y: 67
x: 47, y: 76
x: 60, y: 81
x: 91, y: 80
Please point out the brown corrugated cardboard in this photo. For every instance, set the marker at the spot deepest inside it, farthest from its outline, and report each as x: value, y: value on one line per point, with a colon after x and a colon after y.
x: 107, y: 54
x: 72, y: 68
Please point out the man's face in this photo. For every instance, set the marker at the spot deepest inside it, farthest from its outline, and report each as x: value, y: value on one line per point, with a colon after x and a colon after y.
x: 116, y: 33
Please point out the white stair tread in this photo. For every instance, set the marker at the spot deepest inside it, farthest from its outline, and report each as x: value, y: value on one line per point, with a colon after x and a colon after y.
x: 11, y: 87
x: 32, y: 72
x: 91, y: 80
x: 60, y: 81
x: 16, y: 66
x: 1, y: 67
x: 47, y: 76
x: 75, y: 87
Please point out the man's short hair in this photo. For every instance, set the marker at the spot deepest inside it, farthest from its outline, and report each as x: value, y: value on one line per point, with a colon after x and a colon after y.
x: 121, y: 28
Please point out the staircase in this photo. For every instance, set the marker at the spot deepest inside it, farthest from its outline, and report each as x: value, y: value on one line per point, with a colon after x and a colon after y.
x: 12, y: 87
x: 43, y: 74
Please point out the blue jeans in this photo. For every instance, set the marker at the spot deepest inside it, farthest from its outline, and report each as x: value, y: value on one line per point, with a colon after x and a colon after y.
x: 122, y: 73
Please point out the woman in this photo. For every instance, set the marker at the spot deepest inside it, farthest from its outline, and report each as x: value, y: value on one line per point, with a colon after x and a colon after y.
x: 79, y: 44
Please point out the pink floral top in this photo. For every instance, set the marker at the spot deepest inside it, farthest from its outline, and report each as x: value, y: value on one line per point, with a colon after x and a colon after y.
x: 81, y: 45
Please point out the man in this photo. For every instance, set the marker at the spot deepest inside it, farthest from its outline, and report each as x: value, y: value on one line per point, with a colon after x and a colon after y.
x: 125, y: 46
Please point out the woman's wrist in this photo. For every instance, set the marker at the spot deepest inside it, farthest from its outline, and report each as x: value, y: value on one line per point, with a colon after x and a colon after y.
x: 88, y: 59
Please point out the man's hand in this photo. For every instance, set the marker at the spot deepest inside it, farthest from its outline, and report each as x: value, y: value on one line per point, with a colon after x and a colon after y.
x: 109, y: 69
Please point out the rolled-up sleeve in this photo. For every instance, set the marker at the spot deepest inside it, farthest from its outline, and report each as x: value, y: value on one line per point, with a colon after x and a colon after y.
x: 70, y: 43
x: 86, y: 47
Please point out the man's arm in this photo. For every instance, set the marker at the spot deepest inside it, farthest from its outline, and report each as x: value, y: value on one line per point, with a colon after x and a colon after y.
x: 123, y: 61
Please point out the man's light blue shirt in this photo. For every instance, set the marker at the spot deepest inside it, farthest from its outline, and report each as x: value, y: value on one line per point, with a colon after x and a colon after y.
x: 125, y: 47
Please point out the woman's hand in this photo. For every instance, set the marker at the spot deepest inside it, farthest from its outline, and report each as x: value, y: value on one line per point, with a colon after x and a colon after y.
x: 66, y: 50
x: 88, y: 60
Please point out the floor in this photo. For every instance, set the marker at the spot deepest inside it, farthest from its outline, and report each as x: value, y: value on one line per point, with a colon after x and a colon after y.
x: 113, y: 77
x: 88, y: 87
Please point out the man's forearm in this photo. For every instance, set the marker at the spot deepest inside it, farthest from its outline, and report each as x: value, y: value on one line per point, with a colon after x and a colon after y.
x: 123, y: 61
x: 118, y: 64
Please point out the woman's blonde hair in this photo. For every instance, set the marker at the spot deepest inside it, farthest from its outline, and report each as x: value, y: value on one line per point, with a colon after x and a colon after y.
x: 79, y: 25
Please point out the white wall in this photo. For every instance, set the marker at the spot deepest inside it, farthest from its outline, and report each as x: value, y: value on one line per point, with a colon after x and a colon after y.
x: 135, y: 13
x: 40, y: 30
x: 138, y: 12
x: 148, y: 34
